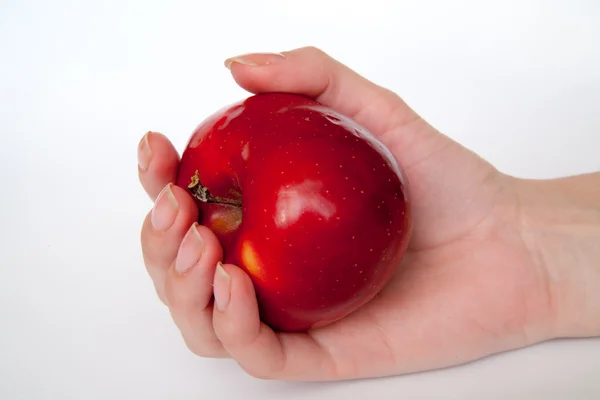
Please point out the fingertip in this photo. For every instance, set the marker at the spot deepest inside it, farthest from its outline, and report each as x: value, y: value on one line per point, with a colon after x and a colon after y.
x: 184, y: 213
x: 233, y: 285
x: 193, y: 269
x: 190, y: 276
x: 184, y: 200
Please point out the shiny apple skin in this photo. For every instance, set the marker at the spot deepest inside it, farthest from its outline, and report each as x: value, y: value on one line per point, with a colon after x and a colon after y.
x: 325, y: 217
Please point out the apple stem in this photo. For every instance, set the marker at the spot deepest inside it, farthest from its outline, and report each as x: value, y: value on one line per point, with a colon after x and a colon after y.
x: 200, y: 192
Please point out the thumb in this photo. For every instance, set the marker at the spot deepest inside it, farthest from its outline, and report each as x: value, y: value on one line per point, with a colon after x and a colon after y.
x: 311, y: 72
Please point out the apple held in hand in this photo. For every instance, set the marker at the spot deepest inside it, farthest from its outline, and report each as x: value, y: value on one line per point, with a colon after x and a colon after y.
x: 306, y: 201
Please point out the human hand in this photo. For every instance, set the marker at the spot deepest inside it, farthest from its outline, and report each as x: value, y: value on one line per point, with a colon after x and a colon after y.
x: 467, y: 287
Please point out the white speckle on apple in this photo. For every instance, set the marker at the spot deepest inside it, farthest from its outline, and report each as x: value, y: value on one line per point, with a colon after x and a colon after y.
x: 246, y: 151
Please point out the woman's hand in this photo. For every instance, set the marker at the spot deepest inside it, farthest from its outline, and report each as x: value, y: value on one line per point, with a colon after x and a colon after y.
x: 469, y: 285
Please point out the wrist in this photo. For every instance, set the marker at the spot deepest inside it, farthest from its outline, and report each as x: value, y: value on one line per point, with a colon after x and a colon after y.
x: 561, y: 228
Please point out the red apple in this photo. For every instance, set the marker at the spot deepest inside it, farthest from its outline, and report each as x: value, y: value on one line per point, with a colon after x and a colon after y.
x: 310, y: 204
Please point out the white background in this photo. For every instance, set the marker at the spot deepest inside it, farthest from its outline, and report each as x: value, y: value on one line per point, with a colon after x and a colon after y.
x: 80, y: 82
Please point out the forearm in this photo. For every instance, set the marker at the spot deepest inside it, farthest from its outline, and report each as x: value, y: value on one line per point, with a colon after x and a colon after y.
x: 561, y: 226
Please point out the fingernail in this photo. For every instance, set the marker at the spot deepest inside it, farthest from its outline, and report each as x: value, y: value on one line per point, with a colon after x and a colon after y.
x: 165, y: 210
x: 190, y: 251
x: 255, y: 59
x: 144, y: 153
x: 221, y: 288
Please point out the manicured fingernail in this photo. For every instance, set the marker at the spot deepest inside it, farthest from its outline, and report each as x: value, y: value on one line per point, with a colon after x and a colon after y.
x: 190, y: 251
x: 144, y: 153
x: 255, y: 59
x: 165, y: 210
x: 221, y: 288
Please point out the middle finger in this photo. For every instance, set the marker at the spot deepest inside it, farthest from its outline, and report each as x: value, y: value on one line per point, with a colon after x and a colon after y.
x: 162, y: 232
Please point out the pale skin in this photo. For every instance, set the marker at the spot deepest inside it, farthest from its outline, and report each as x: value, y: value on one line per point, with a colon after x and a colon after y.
x: 495, y: 262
